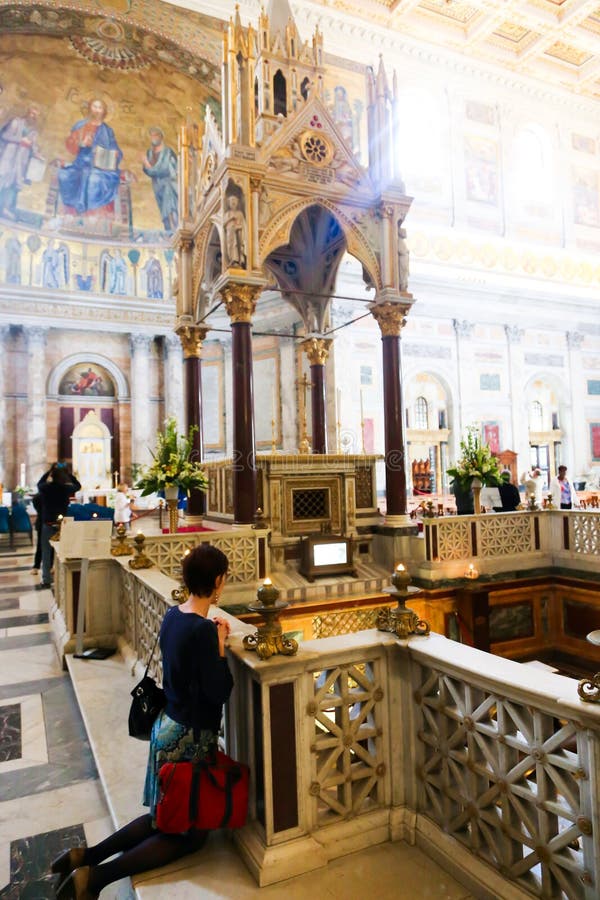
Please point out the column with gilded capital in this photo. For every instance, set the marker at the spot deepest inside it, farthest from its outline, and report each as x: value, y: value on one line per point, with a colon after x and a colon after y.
x: 37, y: 451
x: 142, y: 432
x: 240, y: 302
x: 4, y: 333
x: 192, y: 338
x: 317, y: 351
x: 390, y: 318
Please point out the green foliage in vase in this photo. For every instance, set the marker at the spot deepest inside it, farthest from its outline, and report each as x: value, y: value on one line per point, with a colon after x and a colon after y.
x: 476, y: 461
x: 172, y: 464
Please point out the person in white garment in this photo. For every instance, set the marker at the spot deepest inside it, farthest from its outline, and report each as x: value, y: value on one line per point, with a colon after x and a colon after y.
x: 534, y: 484
x: 122, y: 506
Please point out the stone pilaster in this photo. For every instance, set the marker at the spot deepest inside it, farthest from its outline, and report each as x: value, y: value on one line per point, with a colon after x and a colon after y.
x: 519, y: 418
x: 578, y: 449
x: 4, y: 460
x: 173, y: 378
x: 37, y: 450
x: 464, y: 372
x: 142, y: 430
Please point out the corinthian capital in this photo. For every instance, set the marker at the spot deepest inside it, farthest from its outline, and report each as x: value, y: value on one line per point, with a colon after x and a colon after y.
x: 192, y: 338
x: 140, y: 342
x: 317, y: 350
x: 390, y: 316
x: 240, y: 301
x: 574, y: 339
x: 464, y: 328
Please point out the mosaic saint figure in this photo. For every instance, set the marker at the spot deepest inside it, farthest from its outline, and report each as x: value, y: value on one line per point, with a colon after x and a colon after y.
x: 90, y: 183
x: 18, y: 144
x: 160, y: 165
x: 13, y: 260
x: 55, y: 266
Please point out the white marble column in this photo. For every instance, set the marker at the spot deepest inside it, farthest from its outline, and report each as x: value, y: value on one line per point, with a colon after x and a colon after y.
x: 578, y: 449
x: 519, y: 418
x: 464, y: 372
x: 36, y: 438
x: 173, y: 378
x: 4, y: 333
x: 142, y: 431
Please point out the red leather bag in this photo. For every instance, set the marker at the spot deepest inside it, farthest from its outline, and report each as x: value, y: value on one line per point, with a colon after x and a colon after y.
x: 212, y: 793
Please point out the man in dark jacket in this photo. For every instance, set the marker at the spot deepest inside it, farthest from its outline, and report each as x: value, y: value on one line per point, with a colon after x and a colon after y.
x: 509, y: 493
x: 56, y: 488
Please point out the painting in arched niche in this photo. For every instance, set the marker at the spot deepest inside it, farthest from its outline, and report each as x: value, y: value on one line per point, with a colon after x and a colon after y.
x: 87, y: 380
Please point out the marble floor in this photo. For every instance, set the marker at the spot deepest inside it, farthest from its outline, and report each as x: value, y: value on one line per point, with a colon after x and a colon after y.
x: 51, y: 795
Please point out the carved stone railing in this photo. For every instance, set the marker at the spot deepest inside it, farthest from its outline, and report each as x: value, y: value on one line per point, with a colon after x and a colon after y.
x: 246, y: 549
x: 495, y: 775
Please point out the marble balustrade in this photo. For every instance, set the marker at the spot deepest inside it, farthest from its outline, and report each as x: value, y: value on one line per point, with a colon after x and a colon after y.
x: 501, y: 542
x: 490, y: 766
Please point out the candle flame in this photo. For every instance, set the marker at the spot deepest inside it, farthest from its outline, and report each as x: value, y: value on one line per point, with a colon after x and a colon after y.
x: 400, y: 568
x: 267, y: 582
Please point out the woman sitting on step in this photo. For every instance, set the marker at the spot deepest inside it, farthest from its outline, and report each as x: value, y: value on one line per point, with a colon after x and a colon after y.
x: 197, y: 682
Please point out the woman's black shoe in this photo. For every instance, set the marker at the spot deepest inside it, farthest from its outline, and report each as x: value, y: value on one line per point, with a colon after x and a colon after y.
x: 77, y: 886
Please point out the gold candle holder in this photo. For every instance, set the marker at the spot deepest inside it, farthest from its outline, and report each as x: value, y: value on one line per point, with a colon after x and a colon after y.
x: 550, y: 502
x: 140, y: 560
x: 121, y: 546
x: 472, y: 572
x: 173, y: 515
x: 181, y: 594
x: 56, y: 536
x: 401, y: 621
x: 268, y: 639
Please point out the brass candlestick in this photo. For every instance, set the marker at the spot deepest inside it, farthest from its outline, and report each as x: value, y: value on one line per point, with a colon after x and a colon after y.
x: 401, y: 621
x: 140, y: 560
x: 173, y: 515
x: 56, y: 536
x: 121, y: 546
x: 269, y: 639
x: 181, y: 594
x: 549, y: 502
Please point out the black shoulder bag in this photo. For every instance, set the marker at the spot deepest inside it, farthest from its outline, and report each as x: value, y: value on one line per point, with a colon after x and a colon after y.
x: 148, y: 700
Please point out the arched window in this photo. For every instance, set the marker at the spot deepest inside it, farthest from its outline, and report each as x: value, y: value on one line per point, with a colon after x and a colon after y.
x: 279, y: 94
x: 421, y: 414
x: 536, y: 416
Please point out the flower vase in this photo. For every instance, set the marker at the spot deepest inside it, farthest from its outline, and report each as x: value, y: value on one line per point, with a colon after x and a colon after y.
x: 464, y: 499
x: 476, y: 486
x: 171, y: 496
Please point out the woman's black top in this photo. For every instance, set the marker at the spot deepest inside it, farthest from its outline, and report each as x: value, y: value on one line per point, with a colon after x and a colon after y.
x: 196, y: 680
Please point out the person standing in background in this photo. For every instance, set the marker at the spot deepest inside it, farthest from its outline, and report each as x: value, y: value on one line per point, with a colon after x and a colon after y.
x: 56, y: 487
x: 564, y: 495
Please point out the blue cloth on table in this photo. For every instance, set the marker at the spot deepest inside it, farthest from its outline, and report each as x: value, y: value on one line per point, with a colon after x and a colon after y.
x: 4, y: 520
x: 20, y: 521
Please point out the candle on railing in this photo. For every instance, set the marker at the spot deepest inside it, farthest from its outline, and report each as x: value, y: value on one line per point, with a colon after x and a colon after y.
x: 471, y: 572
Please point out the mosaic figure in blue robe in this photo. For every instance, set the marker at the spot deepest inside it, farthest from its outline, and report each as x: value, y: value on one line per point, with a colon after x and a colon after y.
x: 90, y: 183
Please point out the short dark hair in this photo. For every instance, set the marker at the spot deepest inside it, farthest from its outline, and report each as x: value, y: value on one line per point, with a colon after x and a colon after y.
x: 201, y: 568
x: 562, y: 468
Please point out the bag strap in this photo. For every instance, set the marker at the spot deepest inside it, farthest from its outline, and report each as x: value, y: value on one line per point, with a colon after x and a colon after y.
x: 232, y: 776
x: 152, y: 653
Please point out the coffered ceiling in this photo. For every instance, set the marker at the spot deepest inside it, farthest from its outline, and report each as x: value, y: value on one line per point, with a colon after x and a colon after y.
x: 557, y: 41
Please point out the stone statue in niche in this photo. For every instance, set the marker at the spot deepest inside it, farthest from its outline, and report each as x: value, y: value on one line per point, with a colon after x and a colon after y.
x: 234, y: 228
x: 403, y: 258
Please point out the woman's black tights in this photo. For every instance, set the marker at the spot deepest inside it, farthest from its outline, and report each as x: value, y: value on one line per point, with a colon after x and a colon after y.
x: 142, y: 847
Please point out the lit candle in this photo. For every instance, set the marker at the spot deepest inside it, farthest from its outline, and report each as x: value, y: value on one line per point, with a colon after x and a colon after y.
x: 22, y: 475
x: 400, y: 567
x: 267, y: 582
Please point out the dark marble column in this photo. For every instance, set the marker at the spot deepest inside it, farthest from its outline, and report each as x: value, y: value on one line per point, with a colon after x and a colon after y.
x: 192, y: 337
x: 390, y: 318
x: 240, y: 302
x: 317, y: 351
